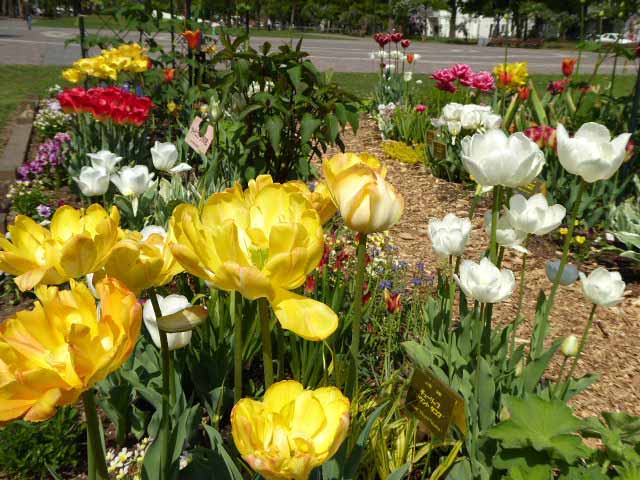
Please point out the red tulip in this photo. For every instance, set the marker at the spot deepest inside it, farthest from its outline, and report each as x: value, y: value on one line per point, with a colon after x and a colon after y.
x: 524, y: 92
x: 393, y: 301
x: 410, y: 57
x: 421, y: 108
x: 396, y: 37
x: 169, y: 74
x: 567, y: 66
x: 405, y: 43
x: 310, y: 284
x: 193, y: 38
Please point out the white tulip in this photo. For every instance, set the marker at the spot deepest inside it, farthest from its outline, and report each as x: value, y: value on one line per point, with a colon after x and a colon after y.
x: 492, y: 158
x: 408, y: 76
x: 570, y: 346
x: 450, y: 235
x: 506, y: 235
x: 93, y: 181
x: 484, y: 282
x: 491, y: 121
x: 165, y: 157
x: 534, y: 215
x: 569, y: 274
x: 591, y: 153
x: 133, y: 181
x: 452, y: 111
x: 603, y: 287
x: 168, y: 305
x: 454, y: 127
x: 105, y: 159
x: 471, y: 119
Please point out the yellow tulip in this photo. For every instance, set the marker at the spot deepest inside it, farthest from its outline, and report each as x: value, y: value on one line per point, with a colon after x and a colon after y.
x: 261, y: 244
x: 78, y: 242
x: 511, y: 75
x: 320, y: 198
x: 292, y: 431
x: 73, y: 75
x: 50, y: 355
x: 366, y: 201
x: 141, y: 263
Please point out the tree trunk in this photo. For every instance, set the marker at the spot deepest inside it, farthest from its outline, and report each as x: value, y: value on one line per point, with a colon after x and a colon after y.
x: 293, y: 13
x: 453, y: 6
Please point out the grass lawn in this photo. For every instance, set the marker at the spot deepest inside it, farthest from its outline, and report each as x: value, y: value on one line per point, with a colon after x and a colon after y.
x: 19, y: 83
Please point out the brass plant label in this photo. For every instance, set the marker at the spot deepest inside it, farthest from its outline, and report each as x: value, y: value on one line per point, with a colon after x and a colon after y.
x: 537, y: 186
x: 194, y: 140
x: 435, y: 404
x: 431, y: 136
x: 439, y: 150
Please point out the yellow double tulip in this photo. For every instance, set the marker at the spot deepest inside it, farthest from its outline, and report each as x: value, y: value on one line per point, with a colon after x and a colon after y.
x: 50, y: 355
x: 511, y: 75
x: 78, y: 242
x: 128, y: 57
x: 366, y: 201
x: 292, y: 431
x: 320, y: 198
x: 141, y: 262
x: 262, y: 243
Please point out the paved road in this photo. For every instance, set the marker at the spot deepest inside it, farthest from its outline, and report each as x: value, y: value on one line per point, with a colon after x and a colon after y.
x: 45, y: 46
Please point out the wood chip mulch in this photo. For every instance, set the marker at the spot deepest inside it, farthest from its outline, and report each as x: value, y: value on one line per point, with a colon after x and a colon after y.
x: 613, y: 350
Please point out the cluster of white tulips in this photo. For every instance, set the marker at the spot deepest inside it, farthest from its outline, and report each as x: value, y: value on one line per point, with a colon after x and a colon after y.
x: 497, y: 161
x: 470, y: 117
x: 132, y: 182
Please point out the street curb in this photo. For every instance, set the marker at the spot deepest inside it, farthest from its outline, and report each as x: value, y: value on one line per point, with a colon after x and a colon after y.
x: 15, y: 153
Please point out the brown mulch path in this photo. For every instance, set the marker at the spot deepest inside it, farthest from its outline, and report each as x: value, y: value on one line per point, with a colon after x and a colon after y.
x: 614, y: 347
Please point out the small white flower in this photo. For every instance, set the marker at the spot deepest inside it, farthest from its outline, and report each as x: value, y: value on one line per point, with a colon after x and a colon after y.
x: 484, y: 281
x: 418, y: 82
x: 603, y: 287
x: 408, y: 76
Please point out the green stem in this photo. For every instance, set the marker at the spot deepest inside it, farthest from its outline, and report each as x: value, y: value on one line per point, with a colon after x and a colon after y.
x: 554, y: 388
x: 357, y: 307
x: 452, y: 291
x: 518, y: 317
x: 477, y: 385
x: 581, y: 345
x: 237, y: 348
x: 167, y: 374
x: 565, y: 249
x: 95, y: 449
x: 494, y: 222
x: 265, y: 333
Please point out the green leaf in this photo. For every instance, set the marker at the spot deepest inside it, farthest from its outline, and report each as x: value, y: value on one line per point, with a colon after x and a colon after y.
x: 539, y: 472
x: 308, y: 126
x: 295, y: 75
x: 486, y: 394
x: 341, y: 114
x: 333, y: 126
x: 400, y: 473
x: 274, y: 126
x: 545, y: 425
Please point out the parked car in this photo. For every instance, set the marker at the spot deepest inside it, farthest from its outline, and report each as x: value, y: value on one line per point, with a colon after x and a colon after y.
x: 614, y: 38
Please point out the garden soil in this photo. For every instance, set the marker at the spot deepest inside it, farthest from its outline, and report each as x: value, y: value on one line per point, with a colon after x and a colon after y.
x: 613, y: 351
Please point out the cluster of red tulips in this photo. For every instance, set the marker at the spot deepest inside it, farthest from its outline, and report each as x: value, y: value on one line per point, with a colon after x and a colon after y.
x: 383, y: 39
x: 110, y: 103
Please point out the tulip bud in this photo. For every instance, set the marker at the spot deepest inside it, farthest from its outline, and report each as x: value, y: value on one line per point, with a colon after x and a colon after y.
x: 505, y: 414
x: 519, y: 368
x: 569, y: 275
x: 570, y: 346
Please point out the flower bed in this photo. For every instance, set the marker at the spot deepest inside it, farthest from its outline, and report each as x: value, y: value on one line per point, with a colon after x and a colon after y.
x: 285, y: 333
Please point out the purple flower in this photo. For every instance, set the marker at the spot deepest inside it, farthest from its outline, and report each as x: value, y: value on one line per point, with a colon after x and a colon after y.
x: 386, y: 284
x: 44, y: 211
